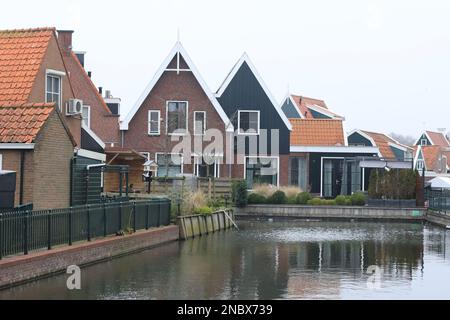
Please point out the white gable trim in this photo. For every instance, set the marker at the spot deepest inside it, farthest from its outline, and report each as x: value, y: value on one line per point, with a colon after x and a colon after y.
x: 232, y: 74
x: 325, y: 112
x: 93, y: 135
x: 416, y: 158
x: 177, y: 50
x: 417, y: 143
x: 289, y: 97
x: 365, y: 135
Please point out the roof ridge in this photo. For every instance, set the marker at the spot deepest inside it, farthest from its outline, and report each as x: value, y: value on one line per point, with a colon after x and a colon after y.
x: 29, y: 105
x: 38, y: 29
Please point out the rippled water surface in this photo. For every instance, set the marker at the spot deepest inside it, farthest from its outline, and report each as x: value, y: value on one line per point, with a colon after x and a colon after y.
x: 273, y: 260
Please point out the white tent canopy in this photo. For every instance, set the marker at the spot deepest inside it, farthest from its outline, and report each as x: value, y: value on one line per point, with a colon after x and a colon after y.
x: 440, y: 183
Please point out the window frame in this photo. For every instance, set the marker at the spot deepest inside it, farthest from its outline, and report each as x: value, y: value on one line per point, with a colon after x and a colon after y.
x: 169, y: 154
x: 149, y: 122
x: 272, y: 158
x: 89, y: 115
x: 54, y: 74
x: 239, y: 123
x: 422, y: 140
x: 204, y: 123
x: 420, y: 165
x: 167, y: 118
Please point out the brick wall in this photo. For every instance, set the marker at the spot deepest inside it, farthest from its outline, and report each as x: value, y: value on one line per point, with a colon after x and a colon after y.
x: 51, y: 166
x: 11, y: 161
x: 20, y: 269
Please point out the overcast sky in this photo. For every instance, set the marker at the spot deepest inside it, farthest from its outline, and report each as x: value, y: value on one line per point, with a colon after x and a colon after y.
x: 384, y: 65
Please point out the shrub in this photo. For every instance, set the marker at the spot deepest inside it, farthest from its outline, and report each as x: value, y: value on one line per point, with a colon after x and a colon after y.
x: 340, y: 200
x: 348, y: 201
x: 292, y: 199
x: 328, y: 202
x: 314, y: 202
x: 279, y: 197
x: 264, y: 189
x: 204, y: 210
x: 303, y: 197
x: 256, y: 198
x: 239, y: 193
x: 358, y: 199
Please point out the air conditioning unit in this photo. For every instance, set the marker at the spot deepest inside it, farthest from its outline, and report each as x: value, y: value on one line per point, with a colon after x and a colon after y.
x: 75, y: 106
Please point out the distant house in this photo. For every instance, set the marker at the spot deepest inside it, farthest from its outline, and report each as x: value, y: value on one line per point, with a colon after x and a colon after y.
x: 320, y: 160
x: 388, y: 146
x: 432, y: 154
x: 256, y: 117
x: 37, y: 145
x: 432, y: 138
x: 299, y: 107
x: 177, y: 103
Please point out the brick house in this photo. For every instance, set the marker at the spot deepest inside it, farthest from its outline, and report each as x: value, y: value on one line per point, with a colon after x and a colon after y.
x: 177, y: 103
x: 36, y: 143
x: 33, y: 70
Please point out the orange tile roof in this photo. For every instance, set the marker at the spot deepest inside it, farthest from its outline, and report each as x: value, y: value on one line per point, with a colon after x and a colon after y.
x: 438, y: 139
x: 21, y: 123
x: 21, y: 54
x: 431, y: 155
x: 317, y: 132
x: 382, y: 142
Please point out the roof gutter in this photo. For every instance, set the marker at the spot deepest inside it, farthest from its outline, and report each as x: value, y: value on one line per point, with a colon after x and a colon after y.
x: 17, y: 146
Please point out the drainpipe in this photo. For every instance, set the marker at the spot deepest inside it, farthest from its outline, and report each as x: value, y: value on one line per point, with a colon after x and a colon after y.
x: 22, y: 170
x: 122, y: 134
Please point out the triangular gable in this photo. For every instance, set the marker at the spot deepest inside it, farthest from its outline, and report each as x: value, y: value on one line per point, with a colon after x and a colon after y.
x: 179, y: 61
x: 232, y: 74
x: 290, y: 108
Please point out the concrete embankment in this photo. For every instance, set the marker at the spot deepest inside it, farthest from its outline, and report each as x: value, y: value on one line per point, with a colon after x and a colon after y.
x: 198, y: 225
x: 19, y: 269
x: 330, y: 212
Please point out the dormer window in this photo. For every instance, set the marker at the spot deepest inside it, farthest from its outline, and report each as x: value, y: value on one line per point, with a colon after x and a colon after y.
x: 423, y: 142
x: 248, y: 122
x: 53, y: 87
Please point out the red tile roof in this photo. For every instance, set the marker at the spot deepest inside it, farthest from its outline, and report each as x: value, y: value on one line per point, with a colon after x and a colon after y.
x: 21, y: 124
x: 438, y: 139
x: 431, y: 155
x: 317, y: 132
x: 21, y: 54
x: 382, y: 142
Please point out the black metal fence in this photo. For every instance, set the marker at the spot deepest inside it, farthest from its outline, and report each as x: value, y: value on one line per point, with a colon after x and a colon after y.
x: 438, y: 200
x: 25, y: 231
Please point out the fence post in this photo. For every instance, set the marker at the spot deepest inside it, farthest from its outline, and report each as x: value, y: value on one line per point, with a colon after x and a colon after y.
x: 134, y: 216
x: 146, y: 216
x: 120, y: 216
x: 70, y: 226
x: 1, y: 235
x: 49, y: 230
x: 104, y: 220
x: 158, y: 221
x: 88, y: 214
x: 25, y: 233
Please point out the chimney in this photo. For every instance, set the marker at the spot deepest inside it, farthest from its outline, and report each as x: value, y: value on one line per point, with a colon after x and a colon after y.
x: 100, y: 90
x: 65, y: 39
x: 89, y: 74
x: 107, y: 93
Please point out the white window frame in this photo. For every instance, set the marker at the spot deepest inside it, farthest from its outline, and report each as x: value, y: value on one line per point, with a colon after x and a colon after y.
x: 89, y: 115
x: 145, y: 154
x: 277, y: 158
x: 217, y: 162
x: 167, y: 118
x: 170, y: 153
x: 422, y: 142
x: 159, y: 123
x: 248, y: 133
x: 55, y: 74
x: 204, y: 123
x: 420, y: 165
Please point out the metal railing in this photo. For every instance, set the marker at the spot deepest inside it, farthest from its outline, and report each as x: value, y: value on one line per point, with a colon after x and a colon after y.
x: 438, y: 200
x: 25, y: 231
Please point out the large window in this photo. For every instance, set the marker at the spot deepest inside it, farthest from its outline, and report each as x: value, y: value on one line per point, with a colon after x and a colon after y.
x: 177, y: 117
x: 298, y: 172
x: 53, y: 89
x: 86, y: 115
x: 169, y: 165
x: 261, y: 170
x: 199, y: 123
x: 154, y: 124
x: 207, y: 169
x: 248, y: 122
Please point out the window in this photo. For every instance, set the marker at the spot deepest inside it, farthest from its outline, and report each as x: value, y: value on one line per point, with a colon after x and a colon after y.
x: 199, y: 123
x: 53, y: 89
x: 420, y: 165
x: 248, y: 122
x: 154, y: 123
x: 86, y: 115
x: 261, y: 170
x: 423, y: 142
x: 298, y: 172
x: 169, y: 165
x: 203, y: 169
x: 177, y: 117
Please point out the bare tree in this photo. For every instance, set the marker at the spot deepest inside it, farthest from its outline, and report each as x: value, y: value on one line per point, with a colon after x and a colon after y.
x: 404, y: 139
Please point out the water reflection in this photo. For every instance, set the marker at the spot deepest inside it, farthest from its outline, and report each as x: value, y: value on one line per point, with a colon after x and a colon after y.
x: 278, y: 260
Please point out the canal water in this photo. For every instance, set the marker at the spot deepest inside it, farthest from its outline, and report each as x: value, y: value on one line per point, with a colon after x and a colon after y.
x: 273, y: 260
